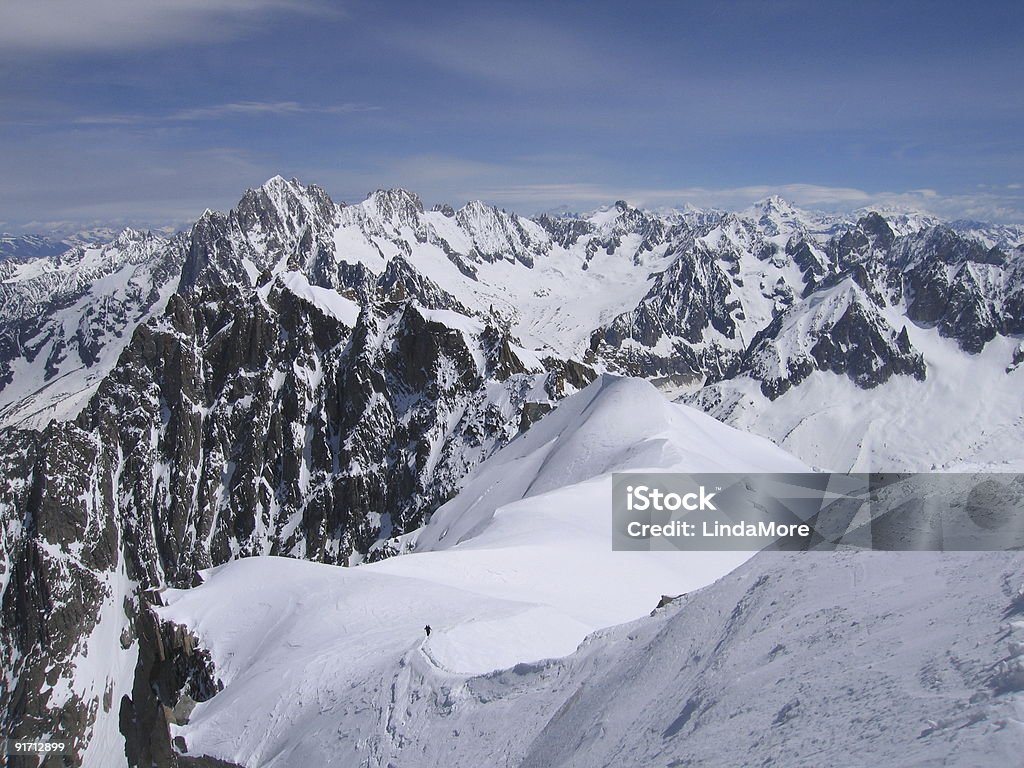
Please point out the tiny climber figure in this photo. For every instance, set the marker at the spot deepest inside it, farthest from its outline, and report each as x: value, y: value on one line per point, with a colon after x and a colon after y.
x: 427, y: 630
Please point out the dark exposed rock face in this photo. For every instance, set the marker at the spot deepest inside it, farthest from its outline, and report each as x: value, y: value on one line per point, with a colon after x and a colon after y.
x: 686, y: 301
x: 347, y: 421
x: 860, y: 347
x: 172, y: 675
x: 566, y: 377
x: 400, y: 281
x: 804, y: 255
x: 968, y: 316
x: 969, y: 292
x: 565, y: 231
x: 841, y: 332
x: 59, y: 560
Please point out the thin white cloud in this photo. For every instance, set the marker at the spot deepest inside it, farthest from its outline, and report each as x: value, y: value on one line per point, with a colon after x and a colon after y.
x: 506, y: 49
x: 133, y: 179
x: 231, y: 109
x: 55, y: 26
x: 268, y: 108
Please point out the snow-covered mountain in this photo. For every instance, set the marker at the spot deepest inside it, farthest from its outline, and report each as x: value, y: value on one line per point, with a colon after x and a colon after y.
x: 516, y: 571
x: 343, y: 383
x: 65, y: 319
x: 517, y: 568
x: 883, y: 344
x: 29, y: 246
x: 687, y: 298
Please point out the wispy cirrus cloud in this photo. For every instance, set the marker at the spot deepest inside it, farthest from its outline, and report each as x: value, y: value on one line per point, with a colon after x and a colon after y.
x: 268, y: 108
x: 123, y: 107
x: 503, y: 48
x: 58, y: 26
x: 228, y: 110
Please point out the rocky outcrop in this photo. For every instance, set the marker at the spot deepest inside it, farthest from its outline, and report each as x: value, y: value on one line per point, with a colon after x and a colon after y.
x: 172, y: 675
x: 674, y: 328
x: 842, y: 332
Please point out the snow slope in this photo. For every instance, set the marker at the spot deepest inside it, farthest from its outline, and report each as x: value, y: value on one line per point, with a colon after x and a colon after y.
x: 854, y: 659
x: 831, y: 423
x: 614, y: 425
x: 517, y: 568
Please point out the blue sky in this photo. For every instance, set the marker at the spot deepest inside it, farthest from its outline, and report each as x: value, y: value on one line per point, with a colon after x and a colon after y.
x: 149, y: 111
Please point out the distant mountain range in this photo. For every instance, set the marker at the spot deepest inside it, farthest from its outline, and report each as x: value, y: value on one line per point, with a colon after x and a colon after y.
x: 29, y: 246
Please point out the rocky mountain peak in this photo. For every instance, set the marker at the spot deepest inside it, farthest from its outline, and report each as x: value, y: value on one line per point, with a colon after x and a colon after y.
x: 501, y: 236
x: 398, y: 205
x: 776, y: 204
x: 877, y: 228
x: 840, y: 331
x: 130, y: 235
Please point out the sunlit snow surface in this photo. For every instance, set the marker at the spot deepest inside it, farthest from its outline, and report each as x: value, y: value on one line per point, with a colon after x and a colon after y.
x: 853, y: 659
x: 966, y: 416
x: 517, y: 568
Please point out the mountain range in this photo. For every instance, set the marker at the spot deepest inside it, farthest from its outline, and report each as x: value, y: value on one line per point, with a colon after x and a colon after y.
x: 381, y: 385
